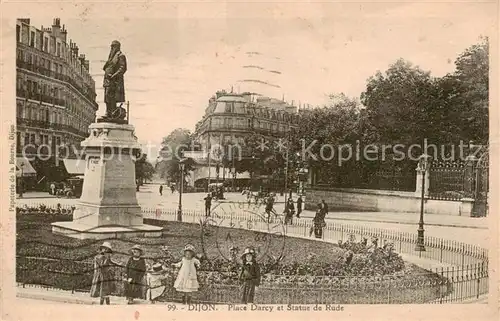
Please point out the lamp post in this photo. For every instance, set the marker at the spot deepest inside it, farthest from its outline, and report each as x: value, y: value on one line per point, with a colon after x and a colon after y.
x: 21, y: 183
x: 422, y: 167
x: 181, y: 187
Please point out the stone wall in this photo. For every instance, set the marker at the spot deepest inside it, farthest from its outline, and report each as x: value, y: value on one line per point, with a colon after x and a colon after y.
x: 383, y: 201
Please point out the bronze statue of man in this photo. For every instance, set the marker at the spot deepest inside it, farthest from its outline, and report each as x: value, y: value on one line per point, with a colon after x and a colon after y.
x: 114, y: 89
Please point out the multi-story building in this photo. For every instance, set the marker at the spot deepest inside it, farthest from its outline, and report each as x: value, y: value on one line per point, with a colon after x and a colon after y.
x: 228, y: 119
x: 55, y: 96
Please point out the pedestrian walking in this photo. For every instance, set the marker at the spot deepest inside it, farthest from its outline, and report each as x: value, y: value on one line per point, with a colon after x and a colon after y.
x: 249, y: 275
x: 324, y: 207
x: 161, y: 190
x: 270, y: 207
x: 172, y: 188
x: 318, y: 223
x: 135, y: 272
x: 187, y: 279
x: 208, y: 204
x: 103, y: 281
x: 299, y: 206
x: 289, y: 211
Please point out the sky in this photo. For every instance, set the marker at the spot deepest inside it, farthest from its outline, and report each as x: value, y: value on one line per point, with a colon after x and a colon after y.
x: 175, y: 65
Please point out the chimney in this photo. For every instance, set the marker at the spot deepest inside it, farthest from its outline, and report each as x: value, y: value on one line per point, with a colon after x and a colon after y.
x: 74, y: 50
x: 56, y: 27
x: 64, y: 33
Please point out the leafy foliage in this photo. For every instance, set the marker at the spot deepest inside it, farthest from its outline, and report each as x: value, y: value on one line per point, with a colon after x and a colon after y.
x: 173, y: 146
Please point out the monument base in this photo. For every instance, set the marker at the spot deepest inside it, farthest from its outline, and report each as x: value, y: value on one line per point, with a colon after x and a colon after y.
x: 108, y: 206
x: 81, y: 232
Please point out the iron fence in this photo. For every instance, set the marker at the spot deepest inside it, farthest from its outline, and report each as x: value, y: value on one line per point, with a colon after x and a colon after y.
x: 447, y: 181
x: 437, y: 249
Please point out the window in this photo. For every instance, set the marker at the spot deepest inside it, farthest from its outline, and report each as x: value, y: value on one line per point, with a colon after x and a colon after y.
x: 32, y: 39
x: 47, y: 115
x: 18, y: 139
x: 18, y: 33
x: 58, y: 49
x: 46, y: 44
x: 20, y: 110
x: 249, y: 121
x: 32, y: 139
x: 229, y: 107
x: 58, y: 141
x: 26, y: 139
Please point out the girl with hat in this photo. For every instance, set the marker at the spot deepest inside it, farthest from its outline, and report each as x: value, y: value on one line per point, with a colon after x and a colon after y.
x: 249, y: 275
x: 187, y: 279
x: 103, y: 281
x: 154, y: 279
x: 135, y: 272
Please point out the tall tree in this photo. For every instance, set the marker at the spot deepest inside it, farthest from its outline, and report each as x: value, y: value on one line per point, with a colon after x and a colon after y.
x: 173, y: 146
x: 144, y: 170
x: 320, y: 134
x: 399, y: 105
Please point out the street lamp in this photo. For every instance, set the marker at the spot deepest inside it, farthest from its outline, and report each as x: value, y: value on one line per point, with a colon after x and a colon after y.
x: 21, y: 183
x: 181, y: 187
x: 422, y: 168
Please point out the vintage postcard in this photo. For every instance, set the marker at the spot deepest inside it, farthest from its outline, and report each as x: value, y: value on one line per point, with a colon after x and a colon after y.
x: 238, y: 160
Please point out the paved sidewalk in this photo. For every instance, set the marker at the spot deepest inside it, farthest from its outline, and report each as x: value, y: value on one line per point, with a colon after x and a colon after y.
x: 61, y: 296
x: 407, y: 218
x: 149, y: 198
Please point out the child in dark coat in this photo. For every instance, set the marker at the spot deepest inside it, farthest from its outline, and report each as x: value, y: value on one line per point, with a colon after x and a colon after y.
x: 249, y: 275
x: 103, y: 281
x: 136, y: 270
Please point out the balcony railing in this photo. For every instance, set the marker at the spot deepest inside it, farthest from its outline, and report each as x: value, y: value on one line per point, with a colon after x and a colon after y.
x: 88, y: 94
x: 40, y: 97
x: 49, y: 125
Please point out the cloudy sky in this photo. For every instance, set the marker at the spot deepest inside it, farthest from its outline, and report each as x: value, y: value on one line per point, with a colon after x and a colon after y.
x: 175, y: 64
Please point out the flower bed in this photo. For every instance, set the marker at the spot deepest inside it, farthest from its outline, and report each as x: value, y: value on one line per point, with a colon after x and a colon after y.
x: 308, y: 272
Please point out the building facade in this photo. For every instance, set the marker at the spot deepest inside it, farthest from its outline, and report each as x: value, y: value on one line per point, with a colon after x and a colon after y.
x: 55, y: 96
x: 229, y: 118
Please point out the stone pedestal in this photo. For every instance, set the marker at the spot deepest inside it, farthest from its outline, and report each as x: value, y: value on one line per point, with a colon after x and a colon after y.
x: 108, y: 206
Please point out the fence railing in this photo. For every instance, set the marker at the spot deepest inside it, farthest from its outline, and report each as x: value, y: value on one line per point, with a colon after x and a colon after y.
x: 466, y: 279
x: 447, y: 181
x: 437, y: 249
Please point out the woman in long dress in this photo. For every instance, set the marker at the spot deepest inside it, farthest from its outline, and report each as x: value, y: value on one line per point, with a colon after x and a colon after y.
x: 135, y: 270
x: 103, y: 281
x: 187, y: 279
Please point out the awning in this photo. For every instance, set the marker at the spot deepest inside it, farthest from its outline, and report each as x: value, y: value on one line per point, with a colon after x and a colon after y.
x: 74, y: 166
x: 24, y: 168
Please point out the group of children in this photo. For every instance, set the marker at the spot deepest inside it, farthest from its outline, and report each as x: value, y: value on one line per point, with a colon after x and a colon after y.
x: 104, y: 282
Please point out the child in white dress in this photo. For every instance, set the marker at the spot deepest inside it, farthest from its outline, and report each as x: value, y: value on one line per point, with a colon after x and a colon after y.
x: 187, y: 279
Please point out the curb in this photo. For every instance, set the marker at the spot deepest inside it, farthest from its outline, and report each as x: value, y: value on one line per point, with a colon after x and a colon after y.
x: 406, y: 223
x: 52, y: 298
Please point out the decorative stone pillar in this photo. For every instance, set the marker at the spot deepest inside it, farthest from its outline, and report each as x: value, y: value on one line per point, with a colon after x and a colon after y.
x: 108, y: 206
x: 470, y: 176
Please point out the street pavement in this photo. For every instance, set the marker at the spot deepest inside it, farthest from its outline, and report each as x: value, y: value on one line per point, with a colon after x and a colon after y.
x: 456, y: 228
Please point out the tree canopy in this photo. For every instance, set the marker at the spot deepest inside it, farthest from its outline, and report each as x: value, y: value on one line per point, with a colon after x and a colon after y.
x: 173, y: 146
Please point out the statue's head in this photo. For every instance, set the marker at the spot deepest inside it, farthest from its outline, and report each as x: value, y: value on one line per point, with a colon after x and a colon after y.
x: 115, y: 44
